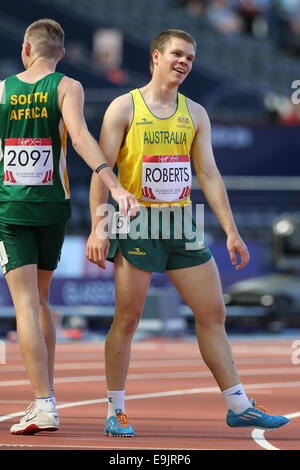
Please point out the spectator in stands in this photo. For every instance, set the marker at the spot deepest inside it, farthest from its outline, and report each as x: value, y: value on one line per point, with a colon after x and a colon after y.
x: 224, y: 18
x: 195, y: 7
x: 283, y: 20
x: 276, y: 19
x: 253, y: 13
x: 294, y: 28
x: 108, y: 54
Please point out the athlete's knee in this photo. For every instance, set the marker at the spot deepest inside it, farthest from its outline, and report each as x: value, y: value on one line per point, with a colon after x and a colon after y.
x: 26, y: 306
x: 44, y: 303
x: 127, y: 322
x: 219, y: 315
x: 212, y: 318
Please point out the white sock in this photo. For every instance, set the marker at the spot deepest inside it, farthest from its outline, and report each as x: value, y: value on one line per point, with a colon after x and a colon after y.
x: 236, y: 399
x: 53, y: 396
x: 115, y: 401
x: 45, y: 404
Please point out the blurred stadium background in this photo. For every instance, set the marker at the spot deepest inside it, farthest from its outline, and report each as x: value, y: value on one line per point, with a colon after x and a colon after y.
x: 247, y: 62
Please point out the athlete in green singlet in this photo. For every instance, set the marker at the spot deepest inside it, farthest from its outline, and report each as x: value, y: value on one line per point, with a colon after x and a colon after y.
x: 38, y: 108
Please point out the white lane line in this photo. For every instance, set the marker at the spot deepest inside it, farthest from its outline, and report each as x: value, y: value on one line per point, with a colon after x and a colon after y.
x: 112, y: 447
x: 261, y: 350
x: 101, y: 365
x: 259, y: 434
x: 153, y: 375
x: 13, y: 401
x: 129, y: 397
x: 264, y: 350
x: 160, y: 395
x: 151, y: 364
x: 259, y: 438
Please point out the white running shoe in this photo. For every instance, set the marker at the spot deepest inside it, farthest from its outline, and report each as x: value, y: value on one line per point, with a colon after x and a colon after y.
x: 36, y: 420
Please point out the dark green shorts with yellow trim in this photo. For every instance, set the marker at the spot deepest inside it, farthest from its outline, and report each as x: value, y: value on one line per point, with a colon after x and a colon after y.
x: 161, y: 239
x: 31, y: 244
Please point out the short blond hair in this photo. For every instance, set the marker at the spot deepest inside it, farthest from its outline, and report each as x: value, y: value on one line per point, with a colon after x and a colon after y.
x: 161, y: 41
x: 48, y: 38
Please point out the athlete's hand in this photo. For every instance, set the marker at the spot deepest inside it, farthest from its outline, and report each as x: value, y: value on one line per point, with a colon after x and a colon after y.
x: 97, y: 249
x: 126, y: 201
x: 235, y: 245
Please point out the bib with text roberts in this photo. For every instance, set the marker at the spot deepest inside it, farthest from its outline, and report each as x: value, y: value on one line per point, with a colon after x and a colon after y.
x: 166, y: 178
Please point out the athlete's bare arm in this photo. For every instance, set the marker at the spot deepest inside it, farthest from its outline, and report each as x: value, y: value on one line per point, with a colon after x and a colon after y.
x: 114, y: 127
x: 71, y: 102
x: 212, y: 184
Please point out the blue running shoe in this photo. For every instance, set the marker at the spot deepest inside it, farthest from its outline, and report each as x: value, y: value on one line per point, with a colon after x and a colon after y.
x: 118, y: 426
x: 257, y: 417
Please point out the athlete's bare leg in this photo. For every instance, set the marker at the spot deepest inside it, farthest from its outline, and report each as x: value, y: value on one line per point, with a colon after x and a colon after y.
x: 131, y: 285
x: 200, y: 288
x: 47, y: 323
x: 23, y: 286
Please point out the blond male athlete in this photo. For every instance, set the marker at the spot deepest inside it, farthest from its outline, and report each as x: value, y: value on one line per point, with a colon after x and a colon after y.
x: 151, y: 133
x: 38, y: 108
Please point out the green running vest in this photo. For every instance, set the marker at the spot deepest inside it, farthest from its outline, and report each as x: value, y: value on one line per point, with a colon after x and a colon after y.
x: 34, y: 186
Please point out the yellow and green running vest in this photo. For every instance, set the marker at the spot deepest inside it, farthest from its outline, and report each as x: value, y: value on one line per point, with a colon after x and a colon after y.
x: 34, y: 187
x: 154, y: 162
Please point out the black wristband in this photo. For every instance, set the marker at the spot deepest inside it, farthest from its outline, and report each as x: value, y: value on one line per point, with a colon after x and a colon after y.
x: 100, y: 167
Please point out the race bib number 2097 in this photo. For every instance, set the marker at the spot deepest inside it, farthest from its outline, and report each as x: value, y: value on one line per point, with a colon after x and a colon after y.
x: 28, y: 162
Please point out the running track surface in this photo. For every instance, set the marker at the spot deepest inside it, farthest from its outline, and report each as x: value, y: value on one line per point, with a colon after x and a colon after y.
x: 172, y: 400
